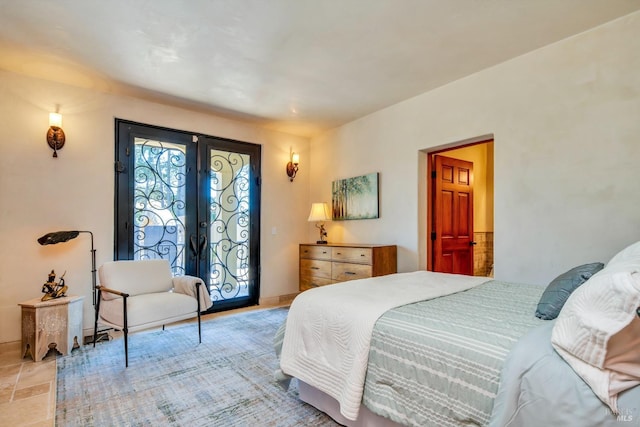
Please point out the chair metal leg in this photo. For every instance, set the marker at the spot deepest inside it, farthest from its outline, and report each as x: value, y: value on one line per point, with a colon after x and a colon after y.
x: 126, y: 349
x: 199, y: 323
x: 95, y: 323
x: 199, y: 329
x: 126, y: 331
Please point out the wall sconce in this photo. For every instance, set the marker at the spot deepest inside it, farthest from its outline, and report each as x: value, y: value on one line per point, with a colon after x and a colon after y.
x: 320, y: 213
x: 55, y: 134
x: 292, y: 166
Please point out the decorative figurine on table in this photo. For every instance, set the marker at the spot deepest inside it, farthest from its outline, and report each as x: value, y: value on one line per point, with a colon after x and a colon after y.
x: 323, y: 234
x: 53, y: 289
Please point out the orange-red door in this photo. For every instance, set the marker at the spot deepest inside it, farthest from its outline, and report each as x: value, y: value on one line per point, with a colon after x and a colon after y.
x: 452, y: 231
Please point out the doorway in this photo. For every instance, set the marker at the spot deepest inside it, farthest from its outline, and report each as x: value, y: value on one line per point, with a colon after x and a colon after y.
x: 194, y: 200
x: 460, y: 210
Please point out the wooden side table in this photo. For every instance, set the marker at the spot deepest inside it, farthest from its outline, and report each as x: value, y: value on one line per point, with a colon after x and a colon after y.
x: 56, y: 323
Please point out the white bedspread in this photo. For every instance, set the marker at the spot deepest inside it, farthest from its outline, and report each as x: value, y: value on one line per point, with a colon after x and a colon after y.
x: 328, y: 329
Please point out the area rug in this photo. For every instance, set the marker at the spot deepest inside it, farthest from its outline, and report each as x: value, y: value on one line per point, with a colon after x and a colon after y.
x: 174, y: 381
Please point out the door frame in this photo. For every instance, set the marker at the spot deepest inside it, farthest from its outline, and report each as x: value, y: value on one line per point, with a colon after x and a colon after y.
x: 430, y: 169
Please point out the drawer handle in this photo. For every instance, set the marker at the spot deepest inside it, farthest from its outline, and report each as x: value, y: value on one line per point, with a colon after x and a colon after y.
x: 314, y: 285
x: 338, y: 253
x: 350, y: 272
x: 315, y: 268
x: 324, y: 252
x: 362, y: 255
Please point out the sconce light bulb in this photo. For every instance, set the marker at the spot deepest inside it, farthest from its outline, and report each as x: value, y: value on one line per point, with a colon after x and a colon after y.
x: 55, y: 120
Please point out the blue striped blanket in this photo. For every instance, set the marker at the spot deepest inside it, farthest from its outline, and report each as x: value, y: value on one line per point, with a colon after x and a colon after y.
x: 438, y: 362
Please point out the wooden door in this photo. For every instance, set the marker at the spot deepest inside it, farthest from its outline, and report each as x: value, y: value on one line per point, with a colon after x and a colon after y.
x: 452, y: 232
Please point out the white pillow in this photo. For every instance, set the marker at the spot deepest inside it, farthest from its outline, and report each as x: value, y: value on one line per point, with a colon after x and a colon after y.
x: 598, y: 332
x: 629, y: 254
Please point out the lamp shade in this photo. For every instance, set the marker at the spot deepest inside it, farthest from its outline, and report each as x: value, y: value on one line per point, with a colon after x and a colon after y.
x: 319, y: 212
x: 57, y: 237
x: 55, y: 119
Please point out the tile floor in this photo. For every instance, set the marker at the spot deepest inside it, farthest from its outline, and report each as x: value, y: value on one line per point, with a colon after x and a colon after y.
x: 28, y: 389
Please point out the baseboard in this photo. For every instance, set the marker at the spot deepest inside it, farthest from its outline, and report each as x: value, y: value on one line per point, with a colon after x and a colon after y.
x: 277, y: 300
x: 287, y: 298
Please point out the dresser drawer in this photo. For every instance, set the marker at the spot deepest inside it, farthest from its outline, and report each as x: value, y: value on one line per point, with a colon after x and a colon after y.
x: 322, y: 265
x: 359, y: 255
x: 315, y: 252
x: 315, y: 268
x: 313, y: 282
x: 342, y: 271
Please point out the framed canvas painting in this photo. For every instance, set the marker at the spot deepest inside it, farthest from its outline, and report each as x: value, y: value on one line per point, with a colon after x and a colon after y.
x: 355, y: 198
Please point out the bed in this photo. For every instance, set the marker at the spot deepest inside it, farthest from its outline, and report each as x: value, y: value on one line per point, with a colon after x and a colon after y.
x: 427, y: 348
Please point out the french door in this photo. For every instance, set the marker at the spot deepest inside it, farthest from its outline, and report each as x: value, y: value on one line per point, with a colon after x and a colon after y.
x: 193, y: 200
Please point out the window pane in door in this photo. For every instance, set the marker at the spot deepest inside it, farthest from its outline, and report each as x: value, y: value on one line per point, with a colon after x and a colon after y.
x: 159, y: 202
x: 229, y: 225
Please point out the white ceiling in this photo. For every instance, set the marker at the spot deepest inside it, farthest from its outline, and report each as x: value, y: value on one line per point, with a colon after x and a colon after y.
x: 298, y: 66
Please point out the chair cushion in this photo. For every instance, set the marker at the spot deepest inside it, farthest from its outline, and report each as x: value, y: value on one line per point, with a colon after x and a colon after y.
x: 135, y: 277
x: 149, y: 310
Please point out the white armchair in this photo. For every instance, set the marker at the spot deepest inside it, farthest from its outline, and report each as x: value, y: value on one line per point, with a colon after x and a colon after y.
x: 135, y: 295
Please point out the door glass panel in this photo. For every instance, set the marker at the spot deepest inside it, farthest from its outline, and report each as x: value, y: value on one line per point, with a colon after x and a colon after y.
x: 229, y: 225
x: 159, y: 202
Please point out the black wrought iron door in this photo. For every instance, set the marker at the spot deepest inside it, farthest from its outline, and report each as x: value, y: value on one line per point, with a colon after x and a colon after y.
x: 230, y: 222
x: 193, y: 200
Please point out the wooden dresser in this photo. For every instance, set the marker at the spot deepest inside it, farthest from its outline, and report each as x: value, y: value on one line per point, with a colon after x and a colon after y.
x: 331, y: 263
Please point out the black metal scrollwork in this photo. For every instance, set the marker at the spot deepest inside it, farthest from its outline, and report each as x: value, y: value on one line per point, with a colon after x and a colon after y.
x: 229, y: 225
x: 159, y: 202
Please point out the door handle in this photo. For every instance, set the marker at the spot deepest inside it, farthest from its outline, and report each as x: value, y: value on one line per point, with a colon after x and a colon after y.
x: 193, y: 244
x: 198, y: 249
x: 472, y: 243
x: 203, y: 245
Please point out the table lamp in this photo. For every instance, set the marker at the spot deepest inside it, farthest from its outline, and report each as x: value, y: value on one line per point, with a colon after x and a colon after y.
x: 319, y: 214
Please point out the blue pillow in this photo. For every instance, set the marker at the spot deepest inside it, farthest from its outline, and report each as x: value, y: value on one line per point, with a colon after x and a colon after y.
x: 558, y: 291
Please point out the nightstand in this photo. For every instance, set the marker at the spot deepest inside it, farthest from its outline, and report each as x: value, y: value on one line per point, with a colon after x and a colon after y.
x: 56, y: 323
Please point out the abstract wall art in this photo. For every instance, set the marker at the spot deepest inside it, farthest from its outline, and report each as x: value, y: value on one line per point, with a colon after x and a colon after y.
x: 355, y: 198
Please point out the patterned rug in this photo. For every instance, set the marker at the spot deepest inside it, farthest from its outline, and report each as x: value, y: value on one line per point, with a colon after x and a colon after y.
x: 174, y: 381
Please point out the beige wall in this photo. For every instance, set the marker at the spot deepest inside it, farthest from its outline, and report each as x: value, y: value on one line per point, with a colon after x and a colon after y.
x: 565, y: 124
x: 39, y: 194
